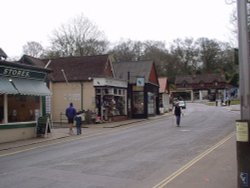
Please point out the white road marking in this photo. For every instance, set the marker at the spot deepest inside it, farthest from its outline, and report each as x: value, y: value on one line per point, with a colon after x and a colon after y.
x: 167, y: 180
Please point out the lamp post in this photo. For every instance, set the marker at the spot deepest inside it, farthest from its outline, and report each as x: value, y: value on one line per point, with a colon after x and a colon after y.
x: 242, y: 125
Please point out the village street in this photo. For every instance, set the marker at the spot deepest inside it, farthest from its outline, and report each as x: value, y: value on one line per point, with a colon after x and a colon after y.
x: 138, y: 155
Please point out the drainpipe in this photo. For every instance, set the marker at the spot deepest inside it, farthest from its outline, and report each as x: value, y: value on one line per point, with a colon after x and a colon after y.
x: 5, y: 110
x: 81, y: 95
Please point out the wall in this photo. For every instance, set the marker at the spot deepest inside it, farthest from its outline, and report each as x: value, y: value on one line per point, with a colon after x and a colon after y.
x: 166, y: 104
x: 63, y: 94
x: 15, y: 134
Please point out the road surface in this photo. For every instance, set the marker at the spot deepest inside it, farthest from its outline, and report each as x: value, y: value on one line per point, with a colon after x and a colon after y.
x: 136, y: 156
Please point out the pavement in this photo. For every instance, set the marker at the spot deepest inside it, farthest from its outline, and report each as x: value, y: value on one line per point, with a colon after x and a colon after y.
x: 214, y: 168
x: 60, y: 131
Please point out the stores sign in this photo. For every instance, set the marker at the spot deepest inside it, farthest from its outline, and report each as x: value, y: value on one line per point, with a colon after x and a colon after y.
x: 16, y: 73
x: 21, y: 73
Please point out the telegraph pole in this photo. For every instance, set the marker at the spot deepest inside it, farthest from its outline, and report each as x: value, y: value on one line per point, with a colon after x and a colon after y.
x: 242, y: 125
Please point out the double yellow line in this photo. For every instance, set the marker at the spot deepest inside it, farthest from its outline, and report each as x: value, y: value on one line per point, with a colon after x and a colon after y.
x: 167, y: 180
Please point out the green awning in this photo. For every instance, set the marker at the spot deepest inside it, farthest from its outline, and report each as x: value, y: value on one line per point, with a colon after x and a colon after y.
x: 30, y: 87
x: 6, y: 87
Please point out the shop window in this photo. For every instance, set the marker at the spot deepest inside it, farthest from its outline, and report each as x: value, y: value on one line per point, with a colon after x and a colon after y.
x: 1, y: 109
x: 120, y: 92
x: 151, y: 103
x: 119, y: 105
x: 22, y: 108
x: 98, y: 91
x: 110, y: 91
x: 106, y: 91
x: 138, y: 102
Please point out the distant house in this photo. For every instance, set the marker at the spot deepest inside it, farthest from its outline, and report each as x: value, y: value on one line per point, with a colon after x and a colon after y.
x: 143, y: 90
x: 164, y: 98
x: 200, y: 87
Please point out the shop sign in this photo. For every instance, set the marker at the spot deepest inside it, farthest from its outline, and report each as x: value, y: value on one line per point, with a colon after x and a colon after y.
x: 21, y: 73
x: 140, y: 81
x: 138, y: 88
x: 109, y: 82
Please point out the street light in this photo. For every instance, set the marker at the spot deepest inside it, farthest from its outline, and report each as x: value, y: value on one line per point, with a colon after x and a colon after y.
x: 64, y: 75
x: 13, y: 84
x: 242, y: 125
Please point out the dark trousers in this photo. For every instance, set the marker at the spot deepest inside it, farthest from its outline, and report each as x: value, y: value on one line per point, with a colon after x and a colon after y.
x: 78, y: 129
x: 178, y: 120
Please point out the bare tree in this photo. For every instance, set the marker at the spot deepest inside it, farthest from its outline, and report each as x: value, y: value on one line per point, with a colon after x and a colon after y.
x: 34, y: 49
x: 78, y: 38
x: 127, y: 50
x: 186, y: 54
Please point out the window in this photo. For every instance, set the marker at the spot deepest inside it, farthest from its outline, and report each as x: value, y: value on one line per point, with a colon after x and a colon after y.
x: 22, y: 108
x: 184, y: 84
x: 98, y: 91
x: 1, y: 109
x: 138, y: 102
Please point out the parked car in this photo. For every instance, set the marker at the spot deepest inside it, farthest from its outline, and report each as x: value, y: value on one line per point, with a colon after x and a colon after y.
x: 182, y: 104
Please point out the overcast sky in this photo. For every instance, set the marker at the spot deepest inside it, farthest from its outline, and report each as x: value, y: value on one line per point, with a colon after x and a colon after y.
x: 164, y: 20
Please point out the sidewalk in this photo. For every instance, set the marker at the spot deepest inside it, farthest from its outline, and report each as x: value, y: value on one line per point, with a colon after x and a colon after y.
x: 61, y: 131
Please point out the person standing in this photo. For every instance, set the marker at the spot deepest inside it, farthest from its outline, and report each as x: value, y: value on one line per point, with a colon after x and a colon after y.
x: 70, y: 113
x: 78, y: 119
x: 177, y: 113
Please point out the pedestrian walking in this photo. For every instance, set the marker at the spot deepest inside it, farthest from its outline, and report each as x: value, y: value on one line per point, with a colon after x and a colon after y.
x: 78, y: 119
x: 70, y: 113
x: 177, y: 113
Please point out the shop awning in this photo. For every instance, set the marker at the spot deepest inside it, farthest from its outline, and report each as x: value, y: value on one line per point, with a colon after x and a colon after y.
x: 31, y: 87
x: 6, y: 86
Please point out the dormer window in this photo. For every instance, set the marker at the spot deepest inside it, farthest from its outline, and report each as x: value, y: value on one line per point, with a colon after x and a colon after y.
x: 202, y: 84
x: 184, y: 84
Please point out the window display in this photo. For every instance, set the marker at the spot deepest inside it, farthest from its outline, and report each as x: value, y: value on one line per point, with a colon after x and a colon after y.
x: 22, y: 108
x: 138, y: 102
x: 112, y: 100
x: 151, y: 103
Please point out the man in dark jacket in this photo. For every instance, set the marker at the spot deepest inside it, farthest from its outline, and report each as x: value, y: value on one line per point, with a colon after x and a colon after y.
x: 70, y: 113
x: 177, y: 113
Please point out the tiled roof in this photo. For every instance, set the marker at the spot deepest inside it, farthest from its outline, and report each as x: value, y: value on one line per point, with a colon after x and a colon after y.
x: 163, y: 82
x: 80, y: 68
x: 28, y: 60
x: 2, y: 54
x: 136, y: 69
x: 24, y: 65
x: 196, y: 79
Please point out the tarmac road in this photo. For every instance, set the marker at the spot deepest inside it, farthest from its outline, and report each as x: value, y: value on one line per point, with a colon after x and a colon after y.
x: 140, y: 155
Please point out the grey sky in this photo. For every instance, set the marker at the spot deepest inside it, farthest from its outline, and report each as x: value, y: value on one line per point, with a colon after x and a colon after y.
x: 164, y: 20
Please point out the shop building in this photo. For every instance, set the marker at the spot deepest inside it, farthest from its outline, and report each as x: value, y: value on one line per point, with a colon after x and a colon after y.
x: 89, y: 83
x: 22, y: 99
x: 111, y: 99
x: 143, y: 87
